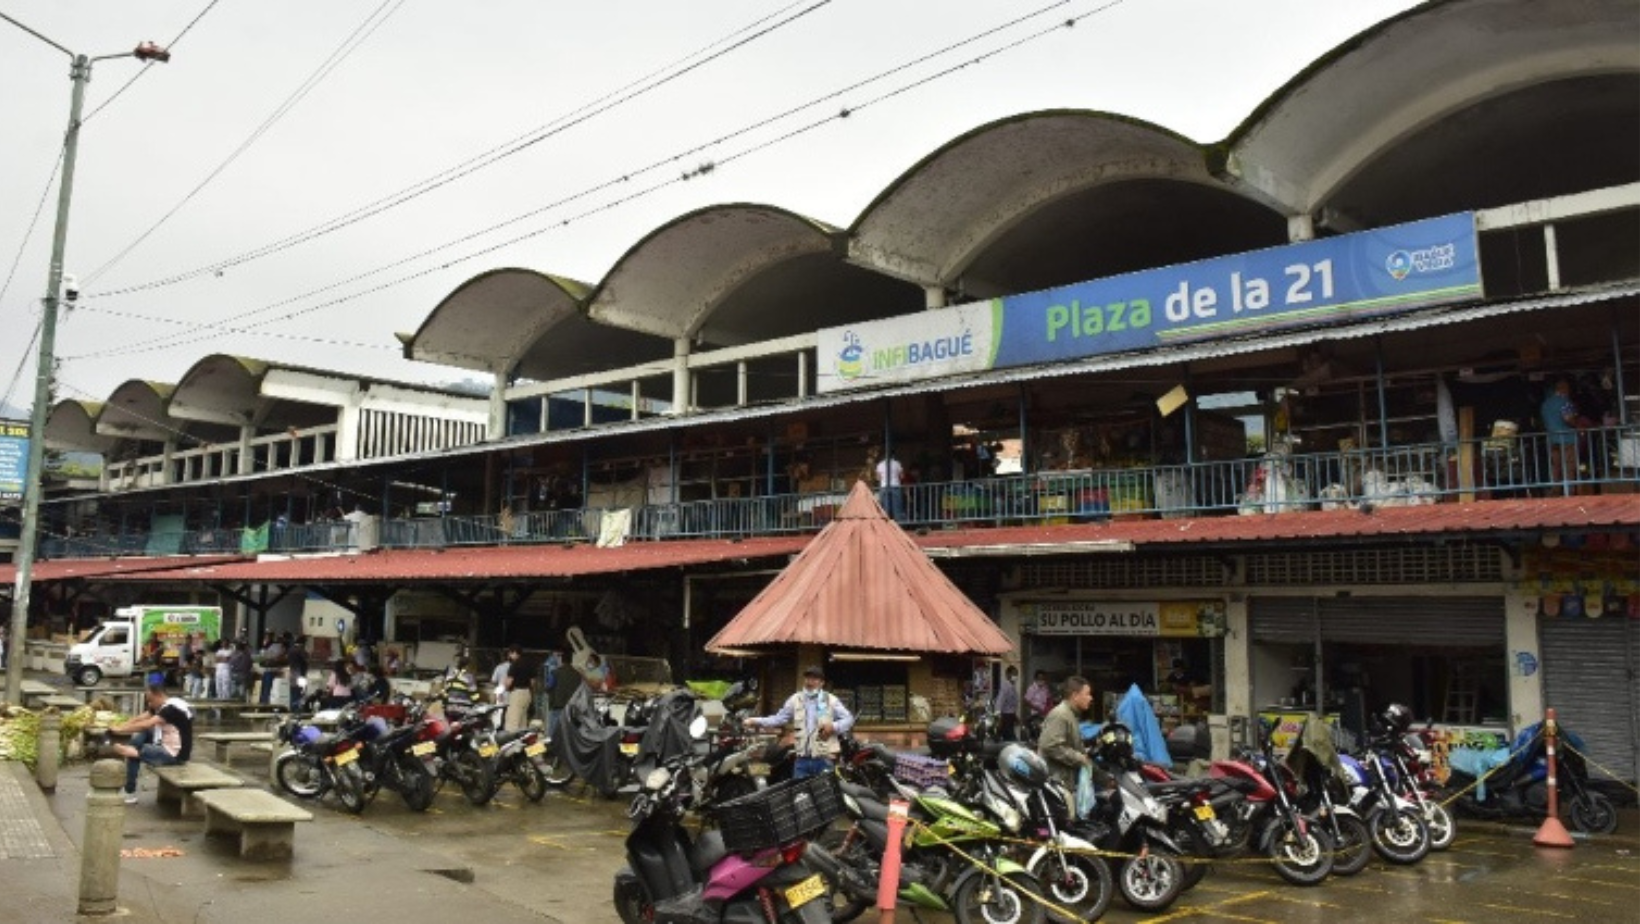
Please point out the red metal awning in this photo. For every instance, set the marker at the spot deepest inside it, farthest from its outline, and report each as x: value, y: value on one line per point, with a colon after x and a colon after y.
x: 64, y: 569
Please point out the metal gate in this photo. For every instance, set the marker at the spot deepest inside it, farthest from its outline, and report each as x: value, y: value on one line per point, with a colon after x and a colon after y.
x: 1589, y: 679
x: 1467, y: 622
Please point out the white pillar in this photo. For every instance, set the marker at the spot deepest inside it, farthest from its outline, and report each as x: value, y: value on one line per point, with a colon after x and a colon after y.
x: 1520, y: 636
x: 933, y: 297
x: 348, y: 418
x: 1238, y: 659
x: 165, y: 462
x: 247, y: 458
x: 496, y: 429
x: 1300, y: 228
x: 681, y: 399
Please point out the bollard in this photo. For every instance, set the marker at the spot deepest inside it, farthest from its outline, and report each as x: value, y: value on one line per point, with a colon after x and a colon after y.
x: 104, y: 830
x: 49, y: 756
x: 1552, y: 833
x: 888, y: 887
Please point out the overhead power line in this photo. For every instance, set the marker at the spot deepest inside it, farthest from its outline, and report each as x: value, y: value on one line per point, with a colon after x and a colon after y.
x: 349, y: 45
x: 170, y: 341
x: 614, y: 99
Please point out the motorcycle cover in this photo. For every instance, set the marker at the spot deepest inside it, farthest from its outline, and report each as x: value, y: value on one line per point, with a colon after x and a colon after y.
x: 591, y: 748
x: 1149, y: 744
x: 668, y: 733
x: 1315, y: 744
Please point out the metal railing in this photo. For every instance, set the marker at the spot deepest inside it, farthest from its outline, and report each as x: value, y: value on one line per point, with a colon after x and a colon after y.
x: 1478, y: 470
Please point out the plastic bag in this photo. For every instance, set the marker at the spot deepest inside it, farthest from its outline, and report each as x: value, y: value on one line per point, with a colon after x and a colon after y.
x: 1086, y: 795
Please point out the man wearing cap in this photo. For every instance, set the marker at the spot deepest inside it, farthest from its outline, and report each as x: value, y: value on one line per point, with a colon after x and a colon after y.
x: 818, y: 717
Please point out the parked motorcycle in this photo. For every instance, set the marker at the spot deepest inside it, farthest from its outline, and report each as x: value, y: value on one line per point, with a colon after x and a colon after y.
x: 1149, y: 875
x: 1518, y: 788
x: 1322, y: 777
x: 674, y: 878
x: 1269, y: 822
x: 460, y: 743
x: 394, y: 759
x: 1077, y: 881
x: 316, y: 763
x: 520, y: 758
x: 1399, y: 832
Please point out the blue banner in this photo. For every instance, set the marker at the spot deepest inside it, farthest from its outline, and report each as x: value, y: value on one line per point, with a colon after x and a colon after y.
x: 13, y: 461
x: 1314, y: 283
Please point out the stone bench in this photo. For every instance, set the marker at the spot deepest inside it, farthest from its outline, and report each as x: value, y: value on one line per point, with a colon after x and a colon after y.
x: 184, y: 783
x: 63, y: 703
x: 265, y: 823
x: 225, y: 740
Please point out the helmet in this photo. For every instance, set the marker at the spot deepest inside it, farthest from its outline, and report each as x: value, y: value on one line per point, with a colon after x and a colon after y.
x: 1396, y: 717
x: 307, y: 734
x: 1113, y: 745
x: 1021, y: 766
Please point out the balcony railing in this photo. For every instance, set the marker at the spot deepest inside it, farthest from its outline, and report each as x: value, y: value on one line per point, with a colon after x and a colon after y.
x: 1479, y: 470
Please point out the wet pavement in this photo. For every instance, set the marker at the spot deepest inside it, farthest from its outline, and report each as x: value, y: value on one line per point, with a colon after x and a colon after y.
x: 514, y: 860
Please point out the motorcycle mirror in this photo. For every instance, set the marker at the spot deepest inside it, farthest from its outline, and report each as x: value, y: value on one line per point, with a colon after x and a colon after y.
x: 697, y: 727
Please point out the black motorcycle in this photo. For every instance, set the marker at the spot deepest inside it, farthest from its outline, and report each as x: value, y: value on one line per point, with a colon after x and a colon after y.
x: 1519, y: 788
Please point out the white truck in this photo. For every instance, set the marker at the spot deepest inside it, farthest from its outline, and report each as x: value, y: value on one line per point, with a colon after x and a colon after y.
x: 115, y: 648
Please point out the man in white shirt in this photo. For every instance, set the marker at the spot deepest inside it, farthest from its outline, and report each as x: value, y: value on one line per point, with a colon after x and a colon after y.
x: 890, y: 476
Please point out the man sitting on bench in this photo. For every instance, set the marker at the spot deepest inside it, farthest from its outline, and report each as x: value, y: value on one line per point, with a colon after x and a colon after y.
x: 162, y: 736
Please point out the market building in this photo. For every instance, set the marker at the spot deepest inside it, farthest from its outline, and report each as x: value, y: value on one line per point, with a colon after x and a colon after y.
x: 1261, y: 425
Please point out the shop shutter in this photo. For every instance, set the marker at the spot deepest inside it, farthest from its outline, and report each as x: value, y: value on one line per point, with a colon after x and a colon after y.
x: 1467, y: 622
x: 1585, y: 663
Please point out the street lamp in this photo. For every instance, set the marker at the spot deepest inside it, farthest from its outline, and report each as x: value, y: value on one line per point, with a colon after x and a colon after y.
x: 80, y: 73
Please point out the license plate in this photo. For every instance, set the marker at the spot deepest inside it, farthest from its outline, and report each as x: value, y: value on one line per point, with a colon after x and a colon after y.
x: 757, y: 769
x: 423, y: 748
x: 346, y: 757
x: 1204, y: 812
x: 806, y: 891
x: 486, y: 750
x: 536, y: 749
x: 630, y: 750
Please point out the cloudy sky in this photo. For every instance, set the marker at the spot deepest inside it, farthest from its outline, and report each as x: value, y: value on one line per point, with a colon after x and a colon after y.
x: 306, y: 178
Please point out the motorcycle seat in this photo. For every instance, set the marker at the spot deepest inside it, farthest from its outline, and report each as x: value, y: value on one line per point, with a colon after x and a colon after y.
x: 871, y: 804
x: 709, y: 849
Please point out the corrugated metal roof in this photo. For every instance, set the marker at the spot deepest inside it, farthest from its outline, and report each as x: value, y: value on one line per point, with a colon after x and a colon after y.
x: 63, y: 569
x: 472, y: 563
x: 863, y: 583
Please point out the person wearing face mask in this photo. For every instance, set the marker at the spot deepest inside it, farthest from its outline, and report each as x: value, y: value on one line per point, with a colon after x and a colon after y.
x: 817, y: 717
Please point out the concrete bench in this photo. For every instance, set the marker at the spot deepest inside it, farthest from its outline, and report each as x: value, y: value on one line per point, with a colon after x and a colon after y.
x: 184, y: 783
x: 265, y: 823
x: 63, y: 703
x: 225, y: 740
x: 33, y: 691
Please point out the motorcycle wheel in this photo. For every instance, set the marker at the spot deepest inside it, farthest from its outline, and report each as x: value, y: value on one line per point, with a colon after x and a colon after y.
x: 475, y: 776
x: 1400, y: 837
x: 558, y: 772
x: 1302, y: 859
x: 1442, y: 829
x: 632, y: 901
x: 992, y: 899
x: 1593, y: 813
x: 1196, y: 855
x: 1151, y: 882
x: 531, y: 781
x: 843, y: 908
x: 300, y: 775
x: 1353, y: 850
x: 1083, y: 886
x: 350, y: 788
x: 418, y: 785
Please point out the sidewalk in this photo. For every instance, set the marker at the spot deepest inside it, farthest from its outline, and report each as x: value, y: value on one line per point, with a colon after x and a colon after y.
x: 350, y: 867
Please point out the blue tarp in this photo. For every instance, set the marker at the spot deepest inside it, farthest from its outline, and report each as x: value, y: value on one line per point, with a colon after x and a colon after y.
x: 1477, y: 763
x: 1149, y: 744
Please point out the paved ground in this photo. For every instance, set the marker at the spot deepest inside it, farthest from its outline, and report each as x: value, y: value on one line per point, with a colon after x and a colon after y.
x: 553, y: 862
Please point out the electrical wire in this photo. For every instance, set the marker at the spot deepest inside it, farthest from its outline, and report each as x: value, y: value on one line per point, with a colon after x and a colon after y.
x: 22, y: 363
x: 354, y: 40
x: 587, y: 111
x: 170, y: 341
x: 32, y: 222
x: 148, y: 64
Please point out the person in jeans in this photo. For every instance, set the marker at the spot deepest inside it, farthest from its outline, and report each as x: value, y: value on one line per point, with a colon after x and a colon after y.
x: 818, y: 718
x: 161, y: 737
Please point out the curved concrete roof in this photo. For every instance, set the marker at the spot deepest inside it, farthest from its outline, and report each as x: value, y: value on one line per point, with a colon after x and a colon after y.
x: 1437, y: 92
x: 72, y: 427
x: 525, y: 323
x: 942, y: 221
x: 137, y: 410
x: 680, y: 280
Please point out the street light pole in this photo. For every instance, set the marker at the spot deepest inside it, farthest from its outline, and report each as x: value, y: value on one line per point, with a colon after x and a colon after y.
x: 34, y: 475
